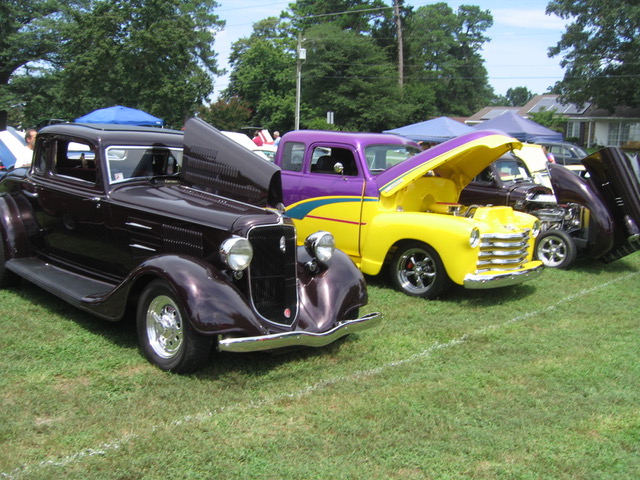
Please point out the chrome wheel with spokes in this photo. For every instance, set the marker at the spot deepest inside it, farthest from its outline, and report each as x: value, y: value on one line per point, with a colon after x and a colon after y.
x: 416, y: 269
x: 166, y: 337
x: 556, y: 249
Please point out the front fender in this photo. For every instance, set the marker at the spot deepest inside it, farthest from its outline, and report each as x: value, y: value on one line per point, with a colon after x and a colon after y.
x: 330, y: 296
x: 12, y: 226
x: 448, y: 235
x: 211, y: 302
x: 570, y: 188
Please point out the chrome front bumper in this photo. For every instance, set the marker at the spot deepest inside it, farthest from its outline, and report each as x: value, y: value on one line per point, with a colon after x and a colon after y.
x: 479, y: 281
x: 298, y: 338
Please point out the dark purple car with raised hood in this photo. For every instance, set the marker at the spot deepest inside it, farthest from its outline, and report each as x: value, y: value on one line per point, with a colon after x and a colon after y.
x: 181, y: 232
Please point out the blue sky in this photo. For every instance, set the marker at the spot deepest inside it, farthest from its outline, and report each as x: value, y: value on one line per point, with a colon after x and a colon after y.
x: 516, y: 55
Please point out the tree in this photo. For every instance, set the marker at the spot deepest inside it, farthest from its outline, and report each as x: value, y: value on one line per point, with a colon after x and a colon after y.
x: 29, y: 32
x: 354, y: 15
x: 549, y: 119
x: 346, y: 73
x: 600, y: 51
x: 519, y: 96
x: 155, y: 55
x: 231, y: 114
x: 443, y: 52
x: 263, y: 73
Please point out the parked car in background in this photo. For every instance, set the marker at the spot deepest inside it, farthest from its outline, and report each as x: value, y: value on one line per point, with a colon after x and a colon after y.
x: 180, y: 231
x: 565, y: 153
x: 576, y: 217
x: 394, y: 208
x: 265, y: 151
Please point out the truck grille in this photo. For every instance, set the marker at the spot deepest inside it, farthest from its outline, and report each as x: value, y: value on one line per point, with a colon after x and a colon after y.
x: 503, y: 251
x: 272, y: 273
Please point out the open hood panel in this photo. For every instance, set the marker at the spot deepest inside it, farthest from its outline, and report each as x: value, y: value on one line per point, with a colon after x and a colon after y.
x: 215, y: 163
x: 459, y: 159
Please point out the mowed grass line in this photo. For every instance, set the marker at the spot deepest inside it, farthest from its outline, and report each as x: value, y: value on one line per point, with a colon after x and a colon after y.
x: 538, y: 381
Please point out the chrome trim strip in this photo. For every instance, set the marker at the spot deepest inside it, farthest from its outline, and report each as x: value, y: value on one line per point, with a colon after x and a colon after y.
x: 479, y: 282
x: 142, y: 247
x: 138, y: 225
x: 298, y: 338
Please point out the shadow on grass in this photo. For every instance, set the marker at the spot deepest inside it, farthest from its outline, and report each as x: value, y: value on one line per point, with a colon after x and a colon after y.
x: 123, y: 334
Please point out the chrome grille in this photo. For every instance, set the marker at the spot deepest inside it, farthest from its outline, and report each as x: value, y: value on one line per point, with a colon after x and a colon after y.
x: 503, y: 251
x: 272, y: 273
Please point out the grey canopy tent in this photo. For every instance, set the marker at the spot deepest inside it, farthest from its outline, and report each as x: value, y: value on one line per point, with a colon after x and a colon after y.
x: 521, y: 128
x: 437, y: 130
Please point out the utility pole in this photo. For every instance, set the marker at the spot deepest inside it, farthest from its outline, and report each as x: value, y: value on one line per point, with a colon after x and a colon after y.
x: 396, y: 7
x: 301, y: 54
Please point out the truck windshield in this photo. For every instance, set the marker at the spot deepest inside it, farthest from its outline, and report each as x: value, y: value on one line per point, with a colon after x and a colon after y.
x: 381, y: 157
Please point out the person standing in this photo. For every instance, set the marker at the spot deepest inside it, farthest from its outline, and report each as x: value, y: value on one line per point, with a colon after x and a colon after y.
x: 30, y: 137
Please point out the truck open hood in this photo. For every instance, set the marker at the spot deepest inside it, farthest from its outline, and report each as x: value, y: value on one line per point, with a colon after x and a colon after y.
x: 215, y: 163
x: 459, y: 159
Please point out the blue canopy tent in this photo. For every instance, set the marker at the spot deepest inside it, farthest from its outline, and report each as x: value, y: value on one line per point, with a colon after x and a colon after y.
x: 521, y: 128
x: 437, y: 130
x: 121, y: 115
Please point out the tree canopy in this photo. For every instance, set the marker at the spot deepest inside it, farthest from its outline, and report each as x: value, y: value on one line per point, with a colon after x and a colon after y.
x: 351, y: 65
x: 600, y: 50
x: 158, y: 55
x: 153, y: 55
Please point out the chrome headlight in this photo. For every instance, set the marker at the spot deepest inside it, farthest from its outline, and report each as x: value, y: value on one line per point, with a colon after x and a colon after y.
x: 535, y: 229
x: 236, y: 253
x: 474, y: 237
x: 320, y: 245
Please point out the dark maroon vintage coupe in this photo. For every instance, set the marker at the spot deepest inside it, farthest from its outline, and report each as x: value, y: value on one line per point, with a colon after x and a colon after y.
x: 183, y: 232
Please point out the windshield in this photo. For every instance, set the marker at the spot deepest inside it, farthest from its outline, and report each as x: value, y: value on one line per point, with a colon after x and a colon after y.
x: 381, y: 157
x: 127, y: 162
x: 512, y: 169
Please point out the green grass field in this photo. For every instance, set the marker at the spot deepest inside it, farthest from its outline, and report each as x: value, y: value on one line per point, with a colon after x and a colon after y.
x: 540, y: 381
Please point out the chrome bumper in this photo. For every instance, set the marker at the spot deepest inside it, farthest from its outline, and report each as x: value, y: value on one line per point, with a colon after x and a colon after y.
x: 298, y: 338
x: 479, y: 281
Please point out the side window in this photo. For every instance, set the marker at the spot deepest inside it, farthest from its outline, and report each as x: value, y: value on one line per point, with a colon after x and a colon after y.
x: 293, y: 156
x: 75, y: 160
x: 333, y: 161
x: 127, y: 162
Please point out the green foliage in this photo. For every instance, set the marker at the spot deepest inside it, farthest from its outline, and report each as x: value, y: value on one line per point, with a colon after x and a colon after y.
x: 518, y: 96
x: 346, y: 73
x: 360, y: 17
x: 600, y: 50
x: 263, y: 73
x: 443, y: 52
x: 549, y: 119
x: 29, y: 32
x: 230, y: 115
x: 155, y: 55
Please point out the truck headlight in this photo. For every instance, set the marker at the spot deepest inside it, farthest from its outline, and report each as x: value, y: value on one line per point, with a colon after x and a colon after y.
x: 236, y: 253
x: 320, y: 245
x: 474, y: 238
x: 535, y: 229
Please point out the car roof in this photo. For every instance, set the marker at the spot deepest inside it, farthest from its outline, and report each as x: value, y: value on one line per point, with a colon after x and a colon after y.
x: 114, y: 134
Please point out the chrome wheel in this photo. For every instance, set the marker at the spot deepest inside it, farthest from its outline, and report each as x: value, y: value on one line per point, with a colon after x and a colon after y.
x: 164, y: 327
x: 165, y: 333
x: 556, y: 249
x: 416, y: 269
